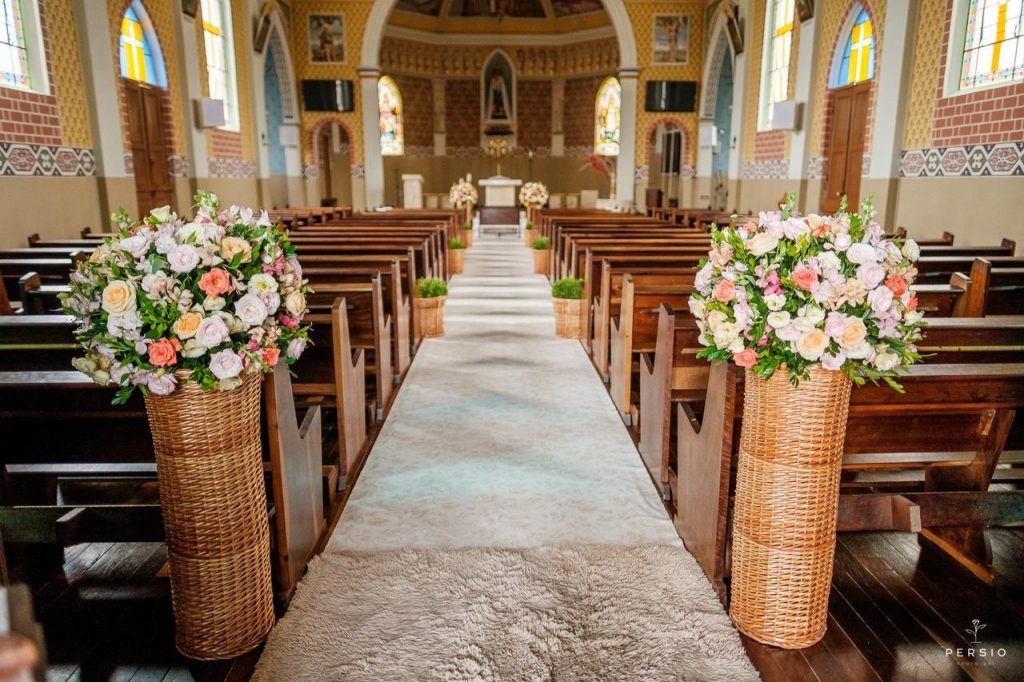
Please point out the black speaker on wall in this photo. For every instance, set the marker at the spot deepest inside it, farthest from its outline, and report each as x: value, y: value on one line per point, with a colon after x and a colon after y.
x: 671, y: 96
x: 327, y: 96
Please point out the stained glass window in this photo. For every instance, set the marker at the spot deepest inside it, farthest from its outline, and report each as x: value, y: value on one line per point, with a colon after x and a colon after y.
x: 858, y: 63
x: 220, y: 65
x: 136, y: 55
x: 389, y: 103
x: 609, y: 118
x: 994, y: 45
x: 778, y: 47
x: 13, y: 50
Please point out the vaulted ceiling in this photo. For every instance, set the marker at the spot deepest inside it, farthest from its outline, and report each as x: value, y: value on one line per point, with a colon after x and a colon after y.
x: 500, y: 16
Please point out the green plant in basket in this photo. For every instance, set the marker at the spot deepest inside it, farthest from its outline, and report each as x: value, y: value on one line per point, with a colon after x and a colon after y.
x: 568, y: 288
x: 467, y: 226
x: 529, y: 227
x: 431, y: 287
x: 456, y: 244
x: 541, y: 243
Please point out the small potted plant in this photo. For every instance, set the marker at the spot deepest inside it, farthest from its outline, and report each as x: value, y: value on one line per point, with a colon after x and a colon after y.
x: 541, y: 249
x: 456, y: 256
x: 432, y: 293
x: 567, y: 295
x: 528, y: 234
x: 467, y: 234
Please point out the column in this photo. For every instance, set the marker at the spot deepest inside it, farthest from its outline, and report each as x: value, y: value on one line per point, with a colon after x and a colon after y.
x: 807, y: 64
x: 440, y: 125
x: 373, y: 164
x: 626, y: 172
x: 558, y: 117
x: 739, y: 77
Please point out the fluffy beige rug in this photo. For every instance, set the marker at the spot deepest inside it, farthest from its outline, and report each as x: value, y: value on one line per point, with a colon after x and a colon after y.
x: 553, y: 613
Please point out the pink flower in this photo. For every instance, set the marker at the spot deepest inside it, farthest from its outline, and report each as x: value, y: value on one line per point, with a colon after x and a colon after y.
x: 805, y: 278
x: 288, y: 321
x: 897, y: 285
x: 725, y: 291
x: 271, y: 355
x: 745, y: 358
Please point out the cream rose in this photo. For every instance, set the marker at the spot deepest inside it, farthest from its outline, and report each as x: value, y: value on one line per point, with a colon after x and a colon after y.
x: 226, y: 364
x: 261, y: 283
x: 186, y: 326
x: 295, y: 303
x: 887, y: 362
x: 119, y: 297
x: 211, y: 332
x: 853, y: 334
x: 812, y: 344
x: 761, y: 243
x: 232, y: 246
x: 251, y: 310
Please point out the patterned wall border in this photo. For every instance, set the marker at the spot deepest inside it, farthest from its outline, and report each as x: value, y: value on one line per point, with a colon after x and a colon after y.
x: 239, y: 169
x: 765, y: 169
x: 18, y: 158
x: 1003, y: 158
x: 312, y: 171
x: 817, y: 167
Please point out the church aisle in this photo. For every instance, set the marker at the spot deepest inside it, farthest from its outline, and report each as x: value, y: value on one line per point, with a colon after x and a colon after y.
x: 502, y: 435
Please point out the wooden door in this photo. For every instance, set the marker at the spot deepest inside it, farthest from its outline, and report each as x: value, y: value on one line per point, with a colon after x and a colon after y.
x: 149, y: 149
x: 846, y: 146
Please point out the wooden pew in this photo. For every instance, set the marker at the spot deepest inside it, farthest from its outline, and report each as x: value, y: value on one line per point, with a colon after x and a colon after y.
x: 995, y: 291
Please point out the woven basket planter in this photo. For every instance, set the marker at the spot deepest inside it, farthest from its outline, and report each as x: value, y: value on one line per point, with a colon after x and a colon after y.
x: 528, y: 237
x: 214, y: 506
x: 787, y: 500
x: 540, y: 261
x: 430, y: 315
x: 568, y: 312
x: 456, y: 260
x: 467, y: 238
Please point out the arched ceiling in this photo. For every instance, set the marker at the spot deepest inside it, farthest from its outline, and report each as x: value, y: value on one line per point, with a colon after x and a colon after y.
x: 499, y: 16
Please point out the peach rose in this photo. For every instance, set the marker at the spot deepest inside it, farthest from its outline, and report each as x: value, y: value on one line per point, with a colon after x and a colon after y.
x: 745, y: 358
x: 119, y: 297
x: 215, y: 282
x: 271, y: 355
x: 725, y: 291
x: 897, y: 285
x: 162, y: 353
x: 234, y: 245
x: 187, y: 325
x: 805, y: 278
x: 812, y: 344
x: 853, y: 334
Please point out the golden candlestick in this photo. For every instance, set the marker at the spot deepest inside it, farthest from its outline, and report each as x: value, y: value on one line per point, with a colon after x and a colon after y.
x: 498, y: 149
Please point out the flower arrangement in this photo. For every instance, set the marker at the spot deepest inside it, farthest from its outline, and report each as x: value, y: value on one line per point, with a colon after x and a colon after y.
x: 533, y: 194
x: 463, y: 193
x: 796, y: 291
x: 210, y: 298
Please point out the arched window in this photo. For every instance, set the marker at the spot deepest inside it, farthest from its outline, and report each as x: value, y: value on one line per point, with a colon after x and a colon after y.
x: 389, y: 104
x: 21, y: 46
x: 220, y: 58
x: 778, y: 44
x: 608, y: 120
x: 137, y: 61
x: 858, y: 61
x: 993, y: 44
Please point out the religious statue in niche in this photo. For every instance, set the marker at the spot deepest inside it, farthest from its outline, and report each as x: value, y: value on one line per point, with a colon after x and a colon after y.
x: 498, y: 103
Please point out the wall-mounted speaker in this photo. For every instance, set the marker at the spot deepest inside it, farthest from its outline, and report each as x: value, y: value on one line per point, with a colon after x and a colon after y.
x: 210, y: 112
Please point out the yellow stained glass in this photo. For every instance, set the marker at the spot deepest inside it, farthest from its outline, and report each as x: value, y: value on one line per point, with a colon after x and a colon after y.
x: 134, y: 50
x: 860, y: 52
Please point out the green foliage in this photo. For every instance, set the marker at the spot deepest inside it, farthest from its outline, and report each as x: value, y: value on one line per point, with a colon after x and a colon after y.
x: 431, y: 287
x: 456, y: 244
x: 529, y: 227
x: 569, y: 287
x: 467, y: 226
x: 541, y: 243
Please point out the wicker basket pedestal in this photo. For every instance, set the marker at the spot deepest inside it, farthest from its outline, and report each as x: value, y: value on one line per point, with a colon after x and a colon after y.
x: 568, y: 314
x: 430, y: 315
x: 528, y: 237
x: 456, y: 260
x: 467, y: 238
x: 540, y: 261
x: 787, y: 500
x: 214, y: 506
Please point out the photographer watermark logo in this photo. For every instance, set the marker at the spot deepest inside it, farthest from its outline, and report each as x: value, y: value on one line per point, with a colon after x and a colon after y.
x: 976, y: 653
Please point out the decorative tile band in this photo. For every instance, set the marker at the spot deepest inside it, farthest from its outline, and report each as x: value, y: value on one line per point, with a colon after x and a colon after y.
x: 1004, y: 158
x: 765, y: 169
x: 177, y: 166
x: 816, y: 166
x: 240, y: 169
x: 311, y: 171
x: 17, y: 158
x: 358, y: 171
x: 641, y: 173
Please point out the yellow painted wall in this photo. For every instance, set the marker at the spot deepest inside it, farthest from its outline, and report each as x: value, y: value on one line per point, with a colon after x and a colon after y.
x: 931, y: 19
x: 68, y: 82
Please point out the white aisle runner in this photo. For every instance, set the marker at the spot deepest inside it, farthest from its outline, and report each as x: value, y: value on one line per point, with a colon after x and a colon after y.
x: 504, y: 527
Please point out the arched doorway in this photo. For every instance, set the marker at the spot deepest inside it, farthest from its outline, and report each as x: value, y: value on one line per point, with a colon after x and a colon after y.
x: 666, y: 156
x: 332, y: 151
x: 723, y: 135
x: 146, y: 105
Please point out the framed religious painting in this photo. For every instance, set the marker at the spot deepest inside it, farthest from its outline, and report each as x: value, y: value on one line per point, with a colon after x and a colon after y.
x: 671, y: 39
x: 326, y: 38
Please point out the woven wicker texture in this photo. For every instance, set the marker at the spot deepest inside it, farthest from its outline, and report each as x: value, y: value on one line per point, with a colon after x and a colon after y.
x: 540, y: 261
x: 568, y: 312
x: 430, y: 315
x: 456, y: 261
x: 214, y: 505
x: 787, y: 498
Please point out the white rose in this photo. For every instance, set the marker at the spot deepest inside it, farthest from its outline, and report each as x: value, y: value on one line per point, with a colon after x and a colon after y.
x: 860, y: 351
x: 214, y: 303
x: 696, y: 307
x: 880, y: 299
x: 296, y: 347
x: 775, y: 301
x: 262, y: 282
x: 715, y: 319
x: 842, y: 241
x: 271, y: 299
x: 212, y: 332
x: 295, y: 303
x: 812, y: 344
x: 162, y: 214
x: 161, y: 385
x: 191, y: 232
x: 164, y: 244
x: 779, y: 319
x: 872, y: 274
x: 193, y: 349
x: 226, y: 364
x: 862, y: 254
x: 828, y: 261
x: 183, y: 258
x: 809, y: 318
x: 911, y: 250
x: 887, y: 362
x: 138, y: 245
x: 251, y: 310
x: 726, y: 334
x: 761, y: 244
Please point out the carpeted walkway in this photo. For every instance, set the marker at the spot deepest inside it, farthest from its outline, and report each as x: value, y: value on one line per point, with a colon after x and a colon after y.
x: 501, y: 492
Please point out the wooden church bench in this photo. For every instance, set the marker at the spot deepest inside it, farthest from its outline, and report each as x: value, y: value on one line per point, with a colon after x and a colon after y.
x: 938, y: 269
x: 994, y: 291
x: 1006, y: 247
x: 575, y: 262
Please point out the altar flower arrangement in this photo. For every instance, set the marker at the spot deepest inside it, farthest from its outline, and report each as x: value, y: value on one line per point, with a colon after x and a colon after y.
x: 533, y: 194
x: 211, y: 297
x: 463, y: 193
x: 800, y: 291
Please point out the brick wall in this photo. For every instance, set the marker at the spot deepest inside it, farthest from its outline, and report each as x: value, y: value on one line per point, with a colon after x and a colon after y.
x: 418, y: 101
x: 770, y: 144
x: 533, y: 103
x: 462, y: 111
x: 580, y: 100
x: 226, y: 144
x: 981, y: 117
x: 31, y: 117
